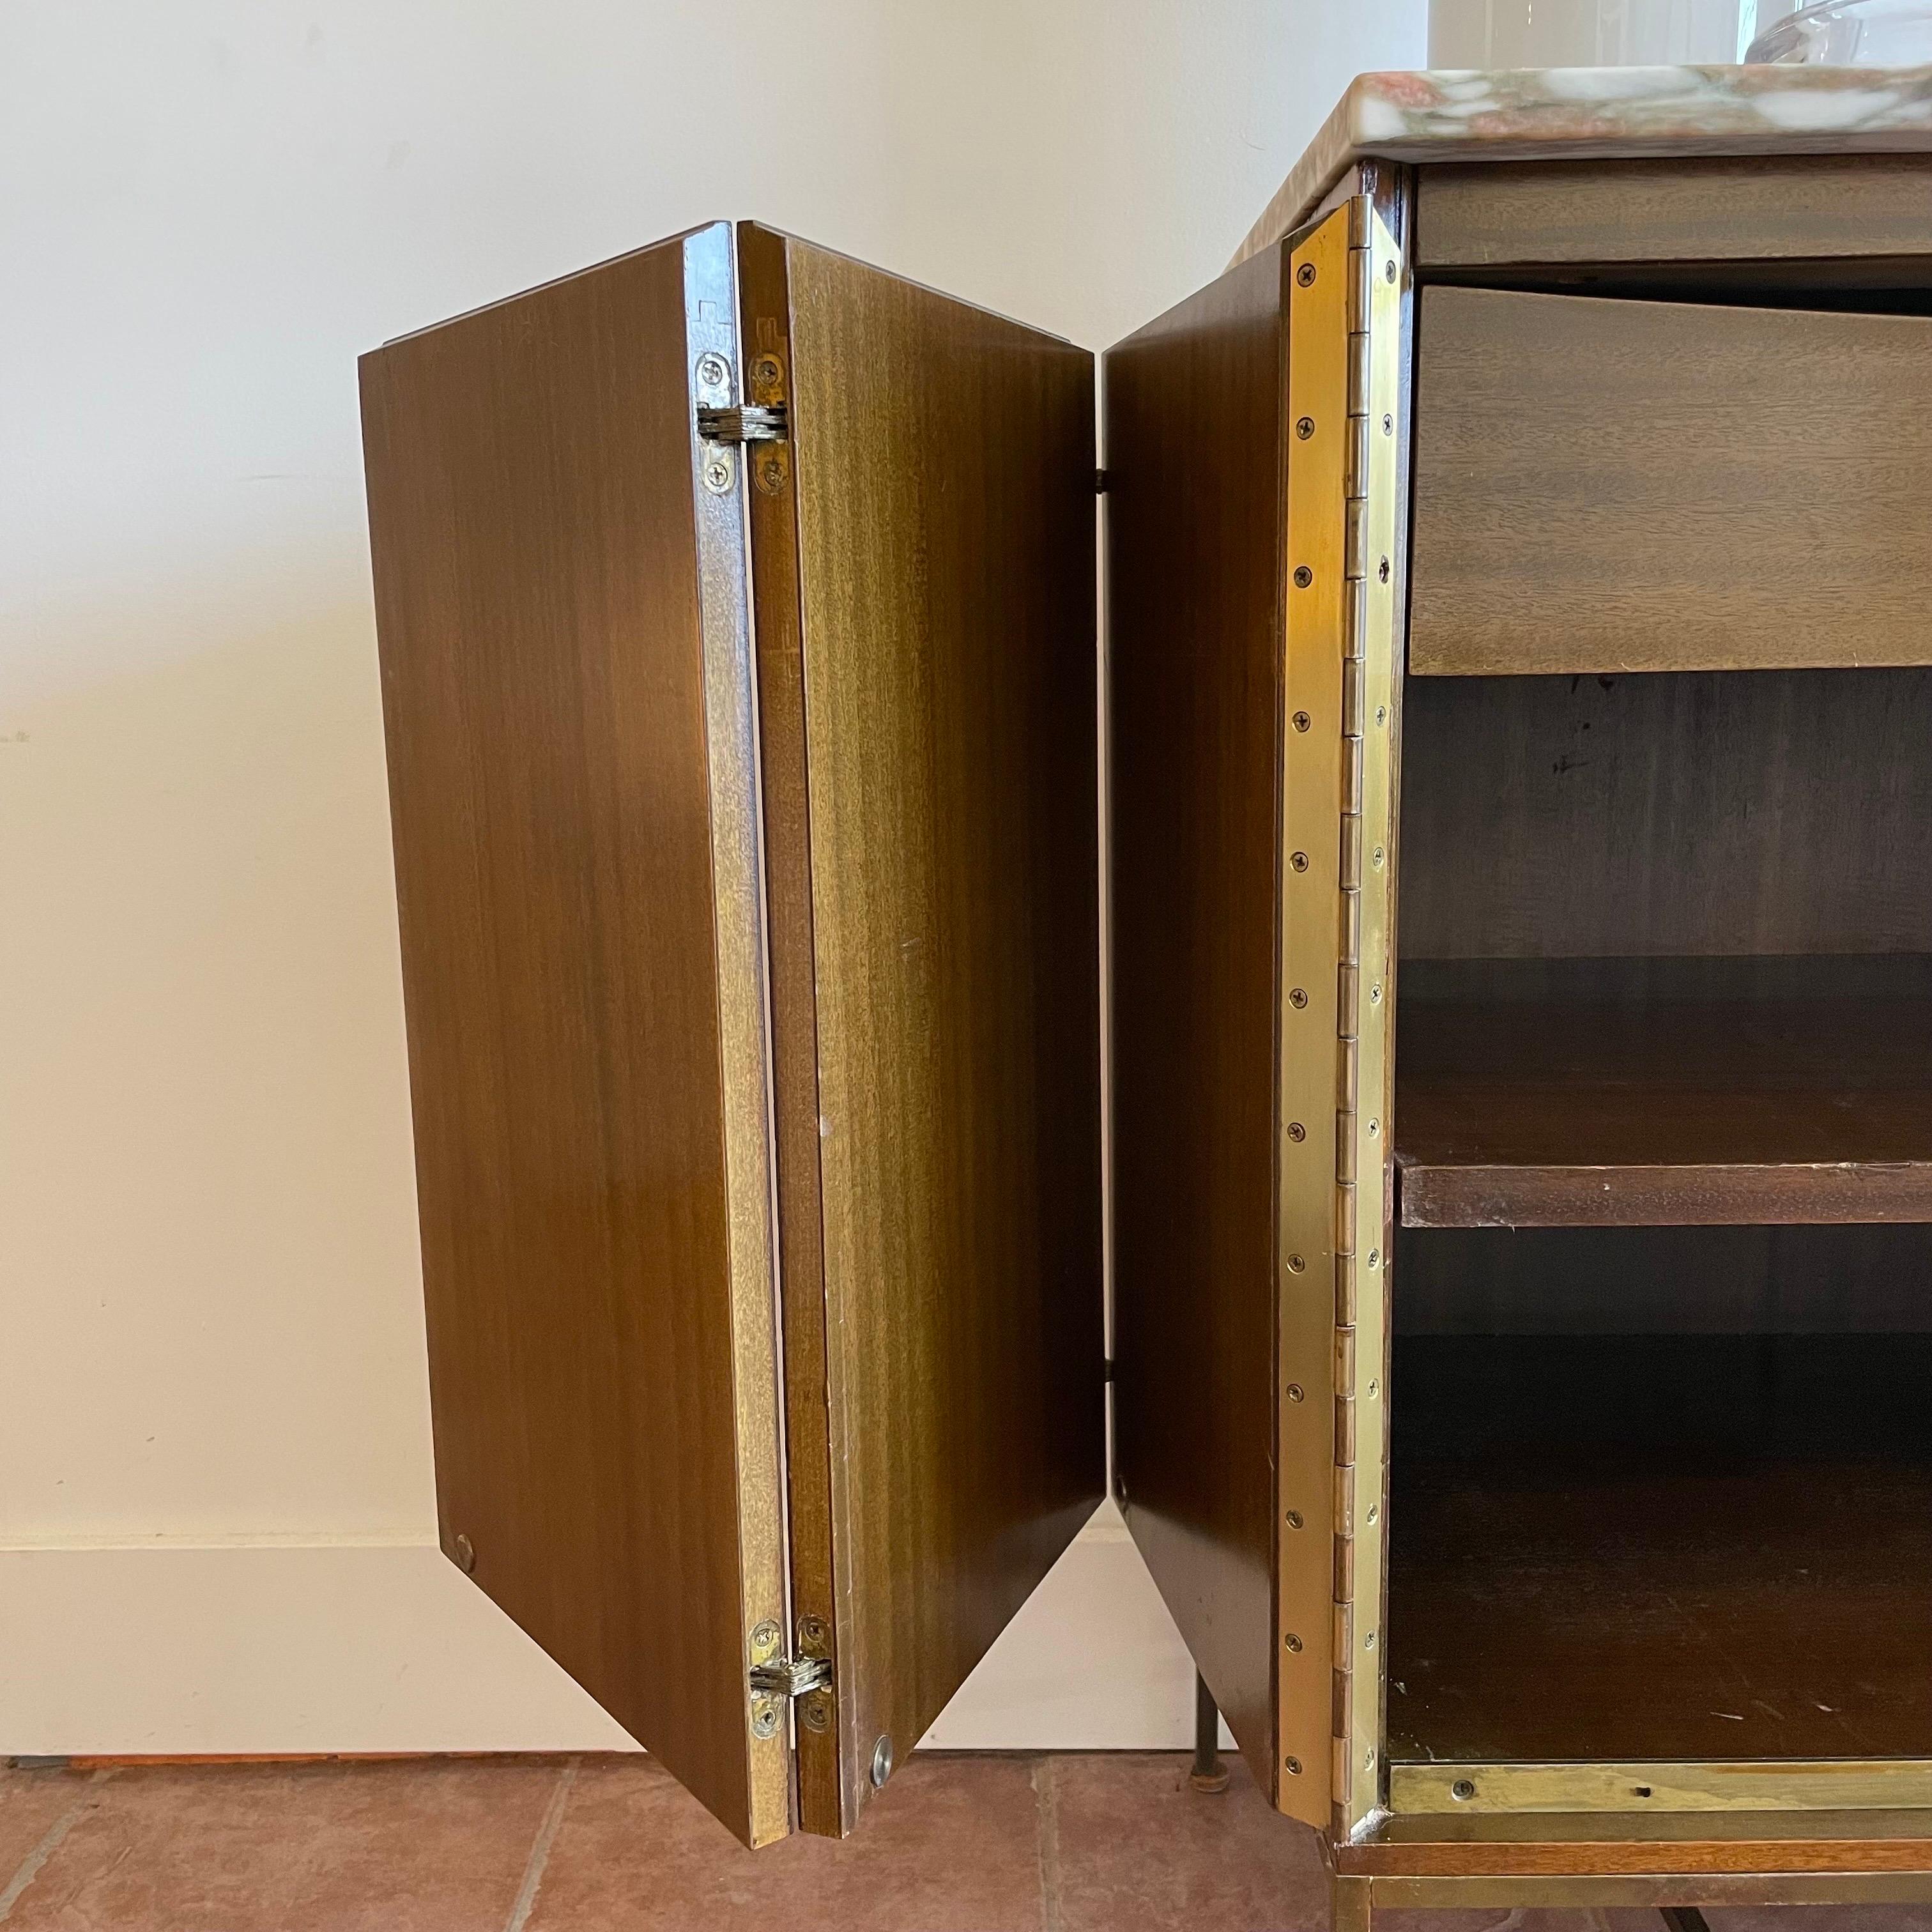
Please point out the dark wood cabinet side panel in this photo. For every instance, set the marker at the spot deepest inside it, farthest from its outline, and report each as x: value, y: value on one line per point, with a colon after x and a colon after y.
x: 1195, y: 598
x: 1827, y: 209
x: 944, y: 475
x: 1606, y: 485
x: 531, y: 482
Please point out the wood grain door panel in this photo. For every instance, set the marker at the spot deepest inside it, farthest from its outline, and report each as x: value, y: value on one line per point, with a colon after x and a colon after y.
x: 566, y: 684
x: 923, y: 556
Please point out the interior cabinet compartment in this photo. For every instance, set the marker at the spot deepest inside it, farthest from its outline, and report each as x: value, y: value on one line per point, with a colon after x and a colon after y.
x: 1671, y: 960
x: 1660, y: 1469
x: 1661, y: 1495
x: 1606, y: 485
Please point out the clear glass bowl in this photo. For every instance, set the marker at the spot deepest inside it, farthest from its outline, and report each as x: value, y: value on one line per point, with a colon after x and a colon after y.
x: 1850, y: 33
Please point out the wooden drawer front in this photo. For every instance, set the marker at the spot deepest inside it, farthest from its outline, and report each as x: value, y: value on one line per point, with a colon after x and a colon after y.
x: 1606, y: 485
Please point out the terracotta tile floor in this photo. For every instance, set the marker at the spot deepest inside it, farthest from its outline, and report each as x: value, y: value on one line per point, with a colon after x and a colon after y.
x: 1069, y: 1843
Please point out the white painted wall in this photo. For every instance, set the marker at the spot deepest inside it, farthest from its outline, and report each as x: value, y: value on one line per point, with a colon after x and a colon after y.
x: 1595, y: 33
x: 215, y: 1495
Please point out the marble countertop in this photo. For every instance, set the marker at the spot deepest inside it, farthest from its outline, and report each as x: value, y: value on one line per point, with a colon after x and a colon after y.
x: 1582, y: 113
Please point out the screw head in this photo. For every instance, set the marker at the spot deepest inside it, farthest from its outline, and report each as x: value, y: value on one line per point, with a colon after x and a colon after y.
x: 1299, y: 861
x: 1382, y: 570
x: 882, y: 1761
x: 1293, y: 1642
x: 1297, y: 997
x: 1382, y: 714
x: 718, y: 472
x: 1375, y: 1510
x: 1295, y: 1392
x: 1368, y: 1642
x: 766, y: 370
x: 764, y: 1640
x: 812, y: 1629
x: 1375, y: 996
x: 1305, y: 428
x: 771, y: 475
x: 1296, y: 1131
x: 1294, y: 1518
x: 765, y: 1718
x: 1388, y: 425
x: 1464, y: 1788
x: 1302, y: 721
x: 1295, y: 1264
x: 713, y: 371
x: 1304, y: 577
x: 814, y: 1713
x: 1388, y: 271
x: 1293, y: 1765
x: 1305, y: 275
x: 1378, y: 857
x: 465, y: 1553
x: 1375, y: 1261
x: 1375, y: 1129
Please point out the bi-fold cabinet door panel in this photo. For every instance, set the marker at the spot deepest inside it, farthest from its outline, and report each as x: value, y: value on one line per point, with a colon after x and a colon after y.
x: 735, y: 609
x: 1256, y: 472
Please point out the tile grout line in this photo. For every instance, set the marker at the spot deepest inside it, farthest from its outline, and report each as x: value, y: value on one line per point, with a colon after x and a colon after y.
x: 30, y: 1866
x: 1046, y: 1796
x: 539, y: 1857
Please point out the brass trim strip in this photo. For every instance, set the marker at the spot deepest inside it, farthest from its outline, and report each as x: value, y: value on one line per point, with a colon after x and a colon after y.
x: 737, y: 861
x: 1650, y: 1890
x: 1782, y: 1784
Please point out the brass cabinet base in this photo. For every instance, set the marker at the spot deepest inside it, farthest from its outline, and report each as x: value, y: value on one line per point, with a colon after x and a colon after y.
x: 1354, y: 1896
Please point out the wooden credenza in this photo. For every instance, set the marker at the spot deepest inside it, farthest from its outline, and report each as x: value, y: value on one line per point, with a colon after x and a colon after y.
x: 1517, y: 692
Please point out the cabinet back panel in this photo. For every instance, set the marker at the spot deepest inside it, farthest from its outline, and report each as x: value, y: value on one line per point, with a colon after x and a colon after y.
x: 1706, y: 812
x: 1677, y: 1280
x: 1607, y: 485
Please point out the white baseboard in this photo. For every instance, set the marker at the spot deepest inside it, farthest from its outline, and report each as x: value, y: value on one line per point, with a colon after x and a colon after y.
x: 272, y: 1648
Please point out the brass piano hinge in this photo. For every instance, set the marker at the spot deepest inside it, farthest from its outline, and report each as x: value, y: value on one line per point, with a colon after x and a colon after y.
x: 1364, y: 1168
x: 1340, y: 786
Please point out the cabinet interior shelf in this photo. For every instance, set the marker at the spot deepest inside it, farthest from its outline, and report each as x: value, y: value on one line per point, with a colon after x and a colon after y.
x: 1520, y: 1103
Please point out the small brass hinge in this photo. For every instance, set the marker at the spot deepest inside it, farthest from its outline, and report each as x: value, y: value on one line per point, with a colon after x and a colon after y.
x: 791, y: 1676
x: 742, y: 422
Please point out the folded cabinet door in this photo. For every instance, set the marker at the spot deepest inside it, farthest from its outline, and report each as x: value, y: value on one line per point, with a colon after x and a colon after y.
x: 756, y: 1110
x: 1254, y: 467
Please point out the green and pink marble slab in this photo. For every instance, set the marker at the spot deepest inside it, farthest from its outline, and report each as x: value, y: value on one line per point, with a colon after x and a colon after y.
x: 1583, y: 113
